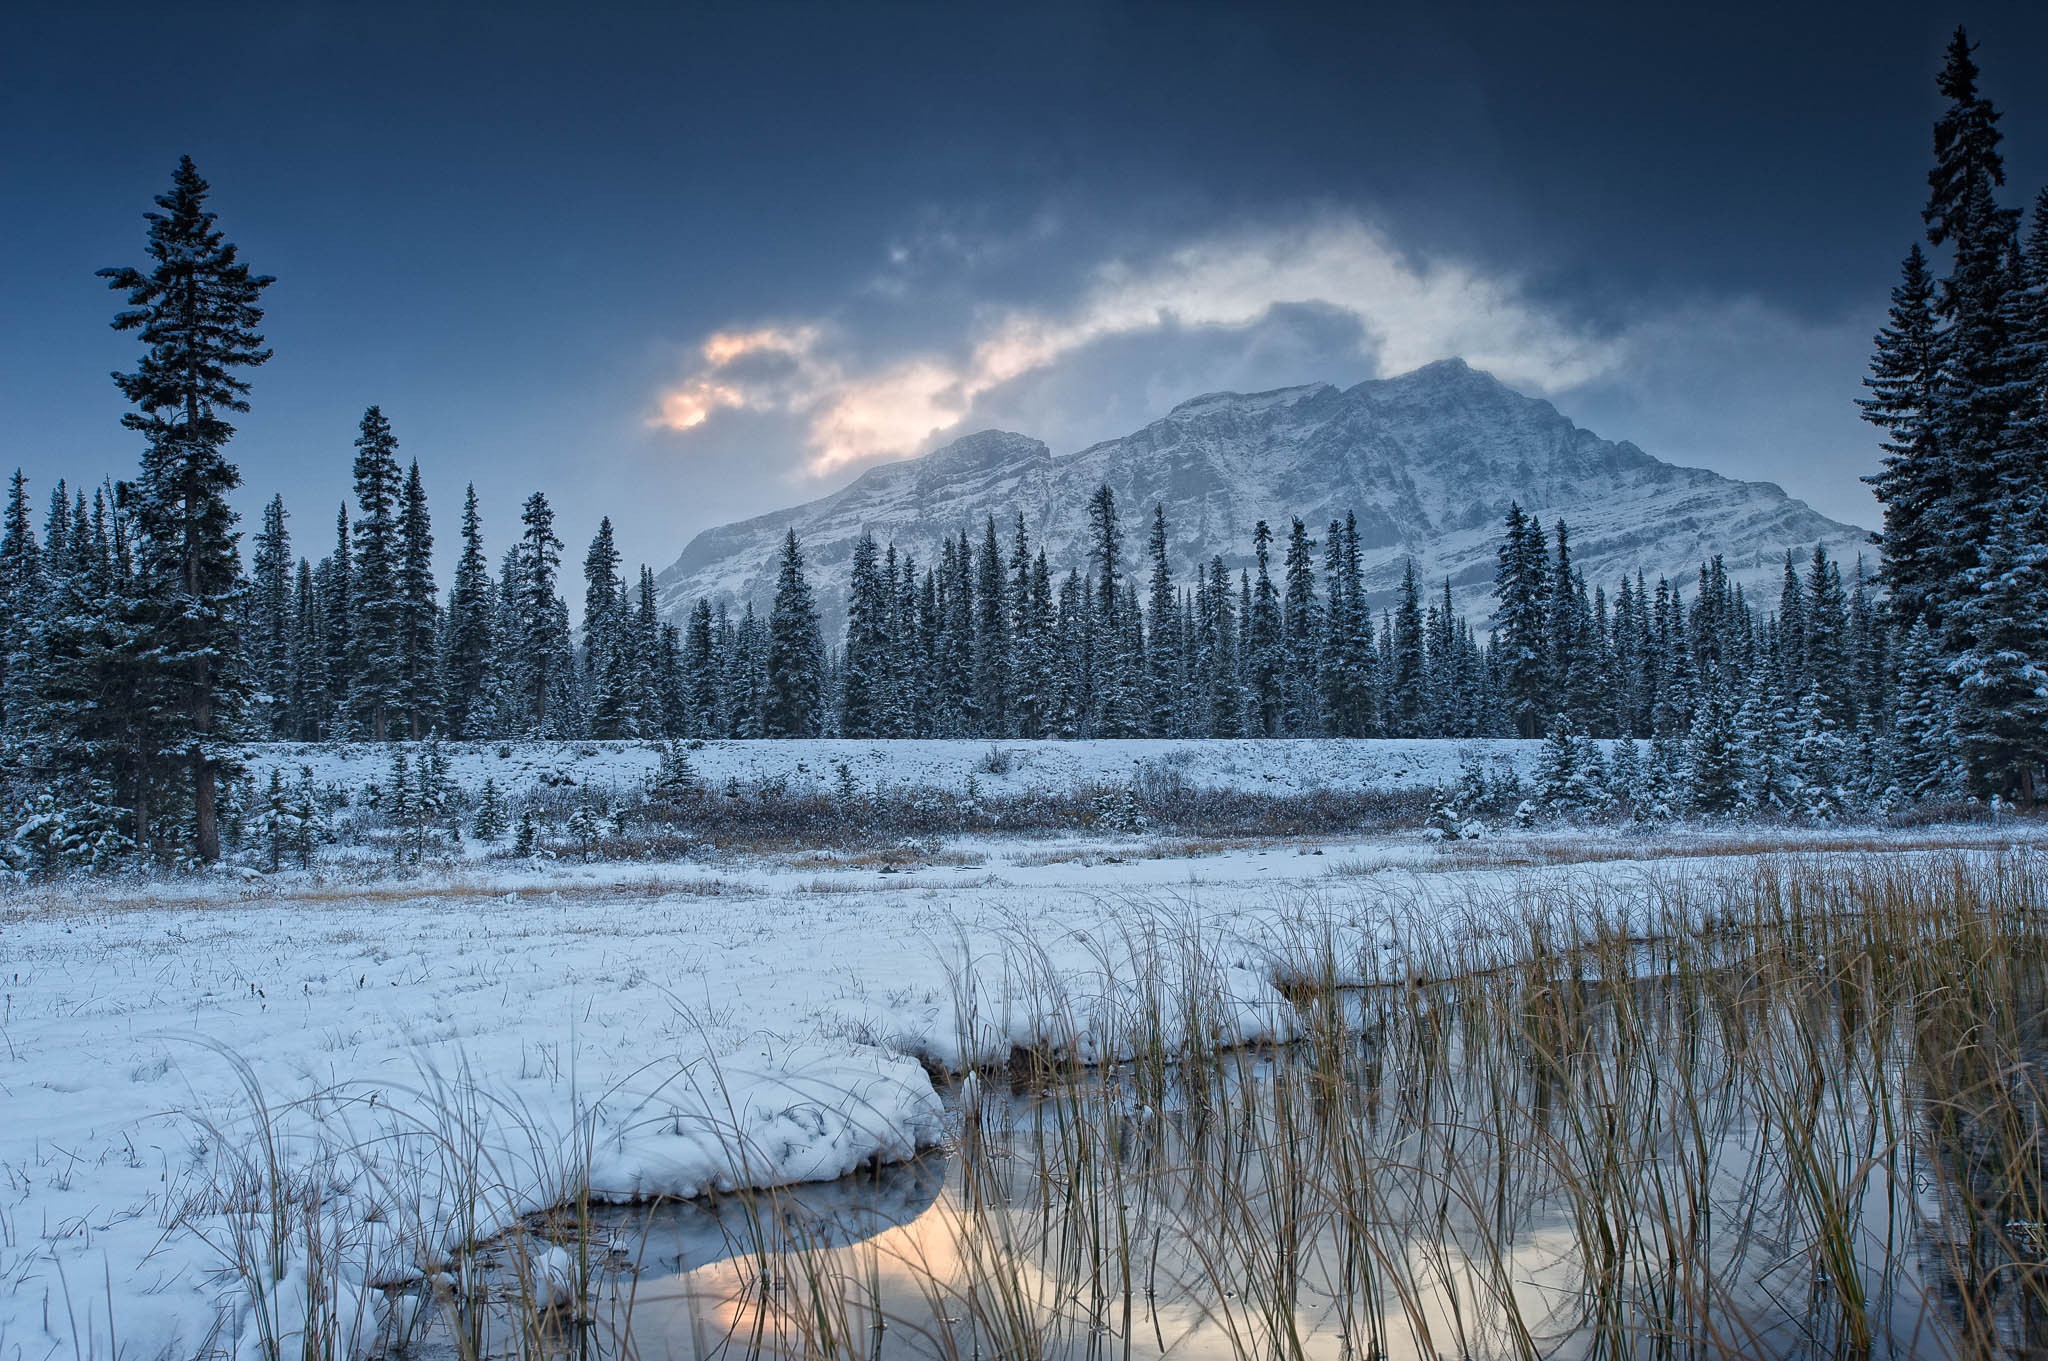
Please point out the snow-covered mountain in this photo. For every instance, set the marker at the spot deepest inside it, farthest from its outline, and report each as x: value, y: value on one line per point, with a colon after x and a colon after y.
x: 1428, y: 461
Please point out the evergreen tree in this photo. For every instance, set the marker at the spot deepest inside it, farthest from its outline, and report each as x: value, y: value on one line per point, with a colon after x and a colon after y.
x: 1925, y: 715
x: 1713, y: 756
x: 269, y: 634
x: 419, y: 675
x: 541, y: 627
x: 1521, y: 622
x: 1219, y: 646
x: 701, y: 673
x: 601, y: 587
x: 471, y: 644
x: 23, y: 586
x: 1974, y: 393
x: 307, y: 707
x: 336, y: 585
x: 862, y: 676
x: 1163, y: 661
x: 992, y: 652
x: 796, y: 653
x: 196, y: 311
x: 2000, y: 718
x: 1904, y: 403
x: 376, y: 609
x: 1407, y: 682
x: 1264, y: 659
x: 1302, y: 637
x: 1826, y: 613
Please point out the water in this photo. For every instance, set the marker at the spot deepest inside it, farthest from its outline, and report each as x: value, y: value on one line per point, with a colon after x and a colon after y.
x: 1775, y: 1152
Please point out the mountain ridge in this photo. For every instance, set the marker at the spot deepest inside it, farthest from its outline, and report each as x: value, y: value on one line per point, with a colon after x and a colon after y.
x: 1428, y: 461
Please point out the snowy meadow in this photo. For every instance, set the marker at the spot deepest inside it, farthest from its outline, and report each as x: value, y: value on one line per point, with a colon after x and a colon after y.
x: 390, y: 1100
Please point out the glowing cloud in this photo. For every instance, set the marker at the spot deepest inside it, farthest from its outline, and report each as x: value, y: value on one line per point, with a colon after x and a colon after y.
x: 1412, y: 312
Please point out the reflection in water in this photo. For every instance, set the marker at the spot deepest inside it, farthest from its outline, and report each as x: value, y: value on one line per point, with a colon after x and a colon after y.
x: 1821, y: 1143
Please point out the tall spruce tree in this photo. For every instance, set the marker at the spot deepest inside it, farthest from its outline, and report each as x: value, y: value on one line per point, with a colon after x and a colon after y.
x: 470, y: 644
x: 269, y: 633
x: 1904, y: 403
x: 1163, y: 660
x: 541, y: 628
x: 1521, y: 622
x: 1301, y: 637
x: 376, y: 609
x: 1407, y: 682
x: 992, y: 653
x: 196, y: 312
x: 23, y: 582
x: 863, y: 675
x: 795, y: 652
x: 1975, y: 396
x: 419, y: 612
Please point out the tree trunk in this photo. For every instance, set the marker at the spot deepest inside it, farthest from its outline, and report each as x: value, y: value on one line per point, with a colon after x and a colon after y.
x: 205, y: 816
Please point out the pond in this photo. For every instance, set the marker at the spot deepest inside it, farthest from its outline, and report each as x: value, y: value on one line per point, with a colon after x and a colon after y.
x: 1813, y: 1137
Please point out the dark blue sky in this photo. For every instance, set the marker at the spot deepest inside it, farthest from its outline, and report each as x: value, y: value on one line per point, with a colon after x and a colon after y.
x: 805, y: 236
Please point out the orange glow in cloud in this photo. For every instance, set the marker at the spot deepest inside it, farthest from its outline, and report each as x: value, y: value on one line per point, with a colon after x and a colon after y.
x: 1412, y: 311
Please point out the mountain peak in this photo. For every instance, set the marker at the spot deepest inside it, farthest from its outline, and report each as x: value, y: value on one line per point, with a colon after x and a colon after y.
x: 985, y: 448
x: 1247, y: 401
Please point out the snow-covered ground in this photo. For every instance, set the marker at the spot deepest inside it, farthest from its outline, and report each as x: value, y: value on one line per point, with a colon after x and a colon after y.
x: 438, y: 1055
x: 996, y: 768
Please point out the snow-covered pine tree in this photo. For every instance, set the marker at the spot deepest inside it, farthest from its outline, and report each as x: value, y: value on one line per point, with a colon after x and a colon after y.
x: 196, y: 311
x: 490, y: 813
x: 541, y: 632
x: 1713, y: 756
x: 1827, y: 637
x: 376, y: 610
x: 992, y: 651
x: 1625, y: 777
x: 1557, y: 769
x: 653, y: 658
x: 1820, y: 760
x: 1220, y: 631
x: 1407, y: 683
x: 307, y: 705
x: 607, y: 673
x: 274, y: 819
x: 1029, y: 595
x: 700, y: 675
x: 1265, y: 659
x: 23, y: 588
x: 336, y: 583
x: 471, y: 644
x: 1301, y: 630
x: 1904, y: 374
x: 2000, y: 719
x: 1924, y: 715
x: 796, y: 652
x: 1975, y: 395
x: 958, y: 714
x: 1764, y: 740
x: 419, y: 673
x: 600, y: 600
x: 1163, y: 662
x: 1521, y: 621
x: 268, y: 637
x: 96, y: 721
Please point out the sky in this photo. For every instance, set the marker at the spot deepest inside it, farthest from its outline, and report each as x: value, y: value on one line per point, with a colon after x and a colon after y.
x: 679, y: 265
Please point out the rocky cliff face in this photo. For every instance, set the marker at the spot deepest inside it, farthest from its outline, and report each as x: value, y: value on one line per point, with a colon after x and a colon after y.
x: 1428, y: 462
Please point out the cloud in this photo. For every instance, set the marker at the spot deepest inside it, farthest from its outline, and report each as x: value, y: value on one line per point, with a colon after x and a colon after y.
x: 1409, y: 311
